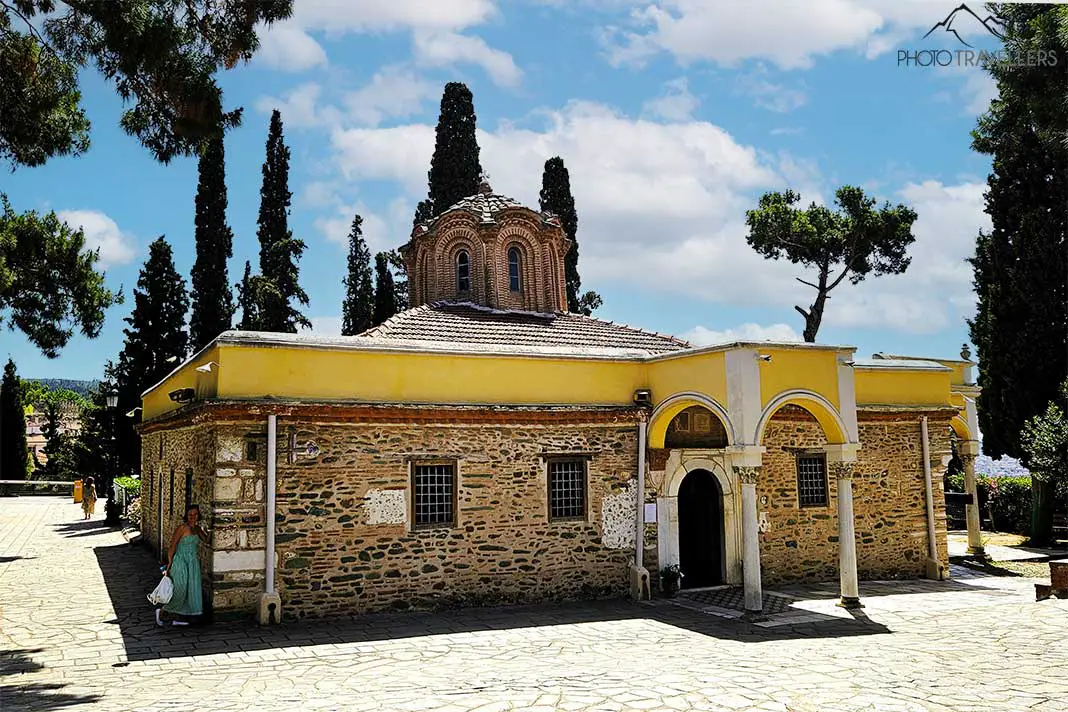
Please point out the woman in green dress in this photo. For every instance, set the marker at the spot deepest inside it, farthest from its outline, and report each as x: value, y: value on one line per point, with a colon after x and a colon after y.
x: 184, y: 569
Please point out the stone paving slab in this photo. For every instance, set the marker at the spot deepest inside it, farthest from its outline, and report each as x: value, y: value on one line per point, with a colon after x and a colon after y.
x: 76, y: 633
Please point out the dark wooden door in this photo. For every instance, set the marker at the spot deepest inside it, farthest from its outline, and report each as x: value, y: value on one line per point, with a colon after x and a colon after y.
x: 700, y: 506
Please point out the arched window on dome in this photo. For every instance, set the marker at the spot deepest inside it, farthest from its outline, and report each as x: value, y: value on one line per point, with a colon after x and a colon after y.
x: 515, y: 284
x: 463, y: 271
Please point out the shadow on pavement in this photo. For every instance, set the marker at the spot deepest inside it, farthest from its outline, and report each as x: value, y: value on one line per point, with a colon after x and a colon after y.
x: 32, y: 695
x: 85, y: 527
x: 132, y: 572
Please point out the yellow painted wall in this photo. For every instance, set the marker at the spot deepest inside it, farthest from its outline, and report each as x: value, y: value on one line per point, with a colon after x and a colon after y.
x: 156, y: 401
x: 902, y: 387
x: 250, y: 372
x: 814, y: 370
x: 704, y: 373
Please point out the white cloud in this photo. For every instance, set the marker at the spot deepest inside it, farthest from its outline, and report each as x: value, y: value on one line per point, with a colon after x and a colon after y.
x: 773, y: 96
x: 675, y: 104
x: 788, y: 33
x: 702, y: 336
x: 444, y: 49
x: 326, y: 325
x: 392, y: 92
x: 301, y: 107
x: 935, y: 292
x: 339, y: 16
x: 288, y: 47
x: 662, y: 207
x: 101, y: 233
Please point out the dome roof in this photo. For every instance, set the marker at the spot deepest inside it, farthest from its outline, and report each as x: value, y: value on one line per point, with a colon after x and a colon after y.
x: 485, y: 204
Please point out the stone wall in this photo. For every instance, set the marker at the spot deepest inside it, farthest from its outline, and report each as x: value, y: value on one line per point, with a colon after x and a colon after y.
x: 345, y: 544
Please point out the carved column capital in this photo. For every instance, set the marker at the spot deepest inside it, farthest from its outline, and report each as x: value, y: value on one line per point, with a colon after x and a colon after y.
x: 748, y: 475
x: 842, y: 470
x: 967, y: 459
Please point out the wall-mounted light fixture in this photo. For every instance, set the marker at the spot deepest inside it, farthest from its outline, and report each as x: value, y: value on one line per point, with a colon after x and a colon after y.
x: 133, y: 413
x: 206, y: 368
x: 764, y: 357
x: 643, y: 396
x: 182, y: 395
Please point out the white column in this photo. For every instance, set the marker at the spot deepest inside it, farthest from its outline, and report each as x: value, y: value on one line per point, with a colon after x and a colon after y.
x: 975, y: 538
x: 750, y: 541
x: 847, y: 538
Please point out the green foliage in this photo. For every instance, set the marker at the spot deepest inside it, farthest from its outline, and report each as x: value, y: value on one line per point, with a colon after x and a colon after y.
x: 48, y: 280
x: 131, y: 485
x: 357, y: 310
x: 556, y: 198
x: 400, y: 279
x: 97, y: 439
x: 455, y: 171
x: 246, y: 301
x: 279, y: 251
x: 156, y: 341
x: 14, y: 464
x: 161, y: 54
x: 61, y: 447
x: 854, y: 241
x: 385, y: 297
x: 1045, y: 441
x: 1019, y: 267
x: 212, y: 302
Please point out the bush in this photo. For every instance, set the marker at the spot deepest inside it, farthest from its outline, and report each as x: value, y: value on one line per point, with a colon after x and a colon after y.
x: 129, y: 484
x: 133, y: 514
x: 1008, y: 502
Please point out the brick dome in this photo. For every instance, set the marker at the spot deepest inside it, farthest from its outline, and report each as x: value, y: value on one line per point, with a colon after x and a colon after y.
x: 489, y: 249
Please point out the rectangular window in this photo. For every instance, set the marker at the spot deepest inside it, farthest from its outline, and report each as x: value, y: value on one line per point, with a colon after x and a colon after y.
x: 251, y: 450
x: 812, y: 480
x: 188, y: 487
x: 567, y: 489
x: 434, y: 495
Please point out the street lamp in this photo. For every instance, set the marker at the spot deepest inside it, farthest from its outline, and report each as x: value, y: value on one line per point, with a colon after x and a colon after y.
x: 111, y: 398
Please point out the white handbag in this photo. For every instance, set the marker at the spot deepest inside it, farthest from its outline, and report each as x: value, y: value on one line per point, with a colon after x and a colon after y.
x: 163, y: 592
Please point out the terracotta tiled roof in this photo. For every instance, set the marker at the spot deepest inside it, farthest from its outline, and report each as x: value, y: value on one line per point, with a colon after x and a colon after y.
x: 462, y: 324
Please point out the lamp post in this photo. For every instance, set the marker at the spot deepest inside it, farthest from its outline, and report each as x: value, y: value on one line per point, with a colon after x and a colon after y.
x: 111, y: 398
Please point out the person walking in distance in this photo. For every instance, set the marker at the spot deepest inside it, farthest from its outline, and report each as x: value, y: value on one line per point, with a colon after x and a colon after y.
x: 88, y: 499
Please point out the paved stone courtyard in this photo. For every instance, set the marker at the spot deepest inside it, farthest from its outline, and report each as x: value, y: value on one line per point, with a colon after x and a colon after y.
x: 76, y: 632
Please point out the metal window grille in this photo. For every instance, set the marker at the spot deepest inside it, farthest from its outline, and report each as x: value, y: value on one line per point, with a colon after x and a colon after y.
x: 435, y: 486
x: 812, y: 480
x: 463, y: 272
x: 567, y: 489
x: 514, y: 283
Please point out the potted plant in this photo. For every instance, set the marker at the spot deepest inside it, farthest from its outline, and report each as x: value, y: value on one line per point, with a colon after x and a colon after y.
x: 670, y: 579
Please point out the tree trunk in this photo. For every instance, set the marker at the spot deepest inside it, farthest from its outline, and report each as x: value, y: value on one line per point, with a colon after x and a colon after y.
x: 814, y: 316
x: 1041, y: 512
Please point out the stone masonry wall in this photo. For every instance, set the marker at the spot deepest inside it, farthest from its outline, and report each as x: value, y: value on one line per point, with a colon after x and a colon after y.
x: 889, y: 501
x: 345, y: 545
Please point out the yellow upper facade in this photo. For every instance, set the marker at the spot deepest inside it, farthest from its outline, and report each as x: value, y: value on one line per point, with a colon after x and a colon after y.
x: 744, y: 383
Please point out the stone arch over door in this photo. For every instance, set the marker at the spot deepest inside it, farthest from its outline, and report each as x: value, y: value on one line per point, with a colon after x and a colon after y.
x: 681, y: 464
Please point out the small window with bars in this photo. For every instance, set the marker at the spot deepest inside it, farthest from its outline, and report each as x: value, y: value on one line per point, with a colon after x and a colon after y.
x: 812, y: 480
x: 567, y: 489
x: 434, y: 495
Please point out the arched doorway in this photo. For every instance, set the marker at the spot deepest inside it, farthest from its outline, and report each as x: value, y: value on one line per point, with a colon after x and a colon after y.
x: 700, y: 506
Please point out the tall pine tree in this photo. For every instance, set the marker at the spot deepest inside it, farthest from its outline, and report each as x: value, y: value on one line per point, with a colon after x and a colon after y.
x: 556, y: 198
x: 14, y: 460
x: 279, y: 250
x: 385, y: 293
x: 156, y: 341
x: 212, y: 301
x: 358, y: 309
x: 1021, y: 265
x: 246, y: 301
x: 455, y: 172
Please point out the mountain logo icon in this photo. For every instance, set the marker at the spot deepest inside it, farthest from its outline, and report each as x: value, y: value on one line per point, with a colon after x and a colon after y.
x: 960, y: 16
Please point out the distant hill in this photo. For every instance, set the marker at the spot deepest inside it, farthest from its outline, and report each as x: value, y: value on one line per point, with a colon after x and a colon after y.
x: 80, y: 387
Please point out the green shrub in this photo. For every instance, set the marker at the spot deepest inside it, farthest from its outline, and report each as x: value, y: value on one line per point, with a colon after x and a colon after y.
x: 1008, y: 502
x: 129, y: 484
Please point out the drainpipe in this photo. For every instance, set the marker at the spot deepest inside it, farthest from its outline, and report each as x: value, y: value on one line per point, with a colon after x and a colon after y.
x: 934, y: 566
x: 639, y: 538
x: 272, y: 459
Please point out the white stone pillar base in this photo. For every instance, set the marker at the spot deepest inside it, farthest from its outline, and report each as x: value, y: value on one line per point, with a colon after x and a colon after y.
x: 269, y: 611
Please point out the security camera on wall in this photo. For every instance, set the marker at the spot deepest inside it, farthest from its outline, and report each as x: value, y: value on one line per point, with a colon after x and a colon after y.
x: 182, y: 395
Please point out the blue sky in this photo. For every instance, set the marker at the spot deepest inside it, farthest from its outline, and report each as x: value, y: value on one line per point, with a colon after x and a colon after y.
x: 672, y: 117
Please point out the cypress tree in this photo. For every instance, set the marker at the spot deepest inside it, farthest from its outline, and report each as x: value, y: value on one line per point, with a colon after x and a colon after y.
x: 1021, y: 266
x: 246, y: 299
x: 279, y: 250
x: 455, y: 172
x: 385, y: 294
x: 156, y: 342
x: 212, y: 301
x: 556, y: 198
x: 358, y: 308
x: 14, y: 458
